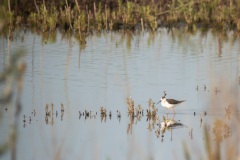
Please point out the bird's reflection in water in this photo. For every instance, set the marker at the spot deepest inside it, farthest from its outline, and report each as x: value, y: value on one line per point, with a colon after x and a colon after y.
x: 168, y: 124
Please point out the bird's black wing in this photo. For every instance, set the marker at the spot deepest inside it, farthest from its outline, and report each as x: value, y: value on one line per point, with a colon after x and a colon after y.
x: 173, y: 101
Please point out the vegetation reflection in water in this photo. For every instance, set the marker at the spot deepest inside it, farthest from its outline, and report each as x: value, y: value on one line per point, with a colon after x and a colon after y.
x: 180, y: 35
x: 219, y: 131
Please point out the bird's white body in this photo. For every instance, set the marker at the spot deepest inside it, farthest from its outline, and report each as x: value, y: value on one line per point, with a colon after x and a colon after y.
x: 164, y: 103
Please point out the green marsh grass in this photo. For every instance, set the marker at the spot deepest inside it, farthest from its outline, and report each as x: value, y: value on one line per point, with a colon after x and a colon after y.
x: 101, y: 15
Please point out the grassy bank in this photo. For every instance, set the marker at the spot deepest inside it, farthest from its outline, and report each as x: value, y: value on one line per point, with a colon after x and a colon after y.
x: 87, y: 16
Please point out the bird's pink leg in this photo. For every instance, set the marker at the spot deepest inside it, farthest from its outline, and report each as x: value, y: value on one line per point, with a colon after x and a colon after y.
x: 173, y: 111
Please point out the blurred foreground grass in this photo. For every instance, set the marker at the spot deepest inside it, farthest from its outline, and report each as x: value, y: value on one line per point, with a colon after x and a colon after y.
x: 11, y: 81
x: 222, y: 134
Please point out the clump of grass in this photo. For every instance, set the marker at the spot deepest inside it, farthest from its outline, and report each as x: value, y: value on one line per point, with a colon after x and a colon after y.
x: 103, y: 114
x: 134, y: 112
x: 130, y: 104
x: 151, y: 110
x: 80, y: 23
x: 139, y: 111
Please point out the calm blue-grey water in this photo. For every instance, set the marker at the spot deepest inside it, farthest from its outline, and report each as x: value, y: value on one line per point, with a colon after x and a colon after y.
x: 109, y: 69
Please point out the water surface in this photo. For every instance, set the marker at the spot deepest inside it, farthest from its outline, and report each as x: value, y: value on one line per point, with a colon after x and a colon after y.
x: 106, y: 71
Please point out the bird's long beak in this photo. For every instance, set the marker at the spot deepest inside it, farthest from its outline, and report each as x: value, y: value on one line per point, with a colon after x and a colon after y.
x: 159, y: 101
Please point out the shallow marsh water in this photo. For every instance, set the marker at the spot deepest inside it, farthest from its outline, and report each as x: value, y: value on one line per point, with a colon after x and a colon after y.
x: 201, y: 69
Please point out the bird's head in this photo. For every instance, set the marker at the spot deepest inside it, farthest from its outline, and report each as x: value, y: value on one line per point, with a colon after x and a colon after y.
x: 163, y: 97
